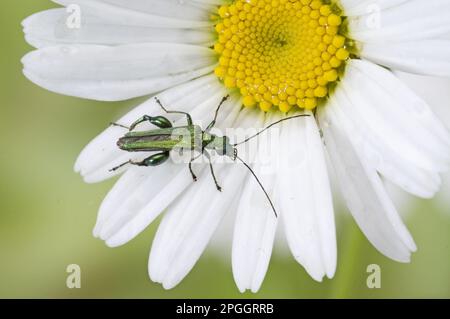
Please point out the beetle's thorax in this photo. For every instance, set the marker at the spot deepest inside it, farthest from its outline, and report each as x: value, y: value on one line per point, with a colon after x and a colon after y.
x: 219, y: 144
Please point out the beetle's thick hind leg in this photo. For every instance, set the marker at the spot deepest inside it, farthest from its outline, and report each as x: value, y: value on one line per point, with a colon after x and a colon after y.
x: 154, y: 160
x: 158, y: 121
x: 143, y: 119
x: 211, y: 168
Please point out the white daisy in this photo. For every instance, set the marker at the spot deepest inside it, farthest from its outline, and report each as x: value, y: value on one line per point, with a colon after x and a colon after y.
x: 328, y: 59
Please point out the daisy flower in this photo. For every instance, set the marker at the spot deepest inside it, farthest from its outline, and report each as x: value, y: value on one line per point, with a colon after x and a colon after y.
x: 332, y: 60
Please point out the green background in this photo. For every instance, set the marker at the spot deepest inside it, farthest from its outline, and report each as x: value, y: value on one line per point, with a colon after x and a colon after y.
x: 47, y: 213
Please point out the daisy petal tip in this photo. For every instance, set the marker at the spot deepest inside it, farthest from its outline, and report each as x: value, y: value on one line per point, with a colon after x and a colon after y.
x: 96, y: 231
x: 318, y: 279
x: 112, y: 243
x: 330, y: 276
x: 242, y: 289
x: 154, y: 272
x: 97, y: 177
x: 29, y: 75
x: 26, y: 22
x: 316, y: 275
x: 410, y: 244
x: 90, y: 180
x: 330, y: 273
x: 154, y: 279
x: 316, y: 272
x: 413, y: 247
x: 26, y: 61
x: 404, y: 260
x: 103, y: 235
x: 150, y: 274
x: 255, y: 289
x: 117, y: 240
x: 170, y: 279
x: 169, y: 285
x: 77, y: 166
x: 31, y: 40
x: 428, y: 195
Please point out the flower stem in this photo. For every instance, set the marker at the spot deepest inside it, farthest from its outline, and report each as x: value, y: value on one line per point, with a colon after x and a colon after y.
x: 350, y: 257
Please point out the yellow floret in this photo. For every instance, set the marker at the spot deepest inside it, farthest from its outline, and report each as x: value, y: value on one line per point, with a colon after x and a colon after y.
x: 280, y: 53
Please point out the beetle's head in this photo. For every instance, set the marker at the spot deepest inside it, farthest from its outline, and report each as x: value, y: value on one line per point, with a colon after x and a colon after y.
x: 229, y: 149
x: 222, y: 146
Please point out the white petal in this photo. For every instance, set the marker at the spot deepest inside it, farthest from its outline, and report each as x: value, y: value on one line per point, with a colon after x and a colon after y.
x: 255, y: 224
x: 363, y: 190
x: 116, y: 73
x: 384, y: 133
x: 398, y: 115
x: 122, y: 189
x: 362, y: 7
x: 151, y: 13
x: 412, y: 20
x: 427, y: 57
x: 436, y: 91
x: 191, y: 221
x: 210, y: 2
x: 49, y: 28
x: 388, y: 161
x: 443, y: 197
x: 305, y: 196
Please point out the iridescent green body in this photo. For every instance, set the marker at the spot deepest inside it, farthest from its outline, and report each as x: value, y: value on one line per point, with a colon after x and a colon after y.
x: 190, y: 138
x: 166, y: 138
x: 184, y: 138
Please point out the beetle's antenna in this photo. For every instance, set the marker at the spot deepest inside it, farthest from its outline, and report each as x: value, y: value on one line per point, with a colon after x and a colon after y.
x: 260, y: 184
x: 268, y: 127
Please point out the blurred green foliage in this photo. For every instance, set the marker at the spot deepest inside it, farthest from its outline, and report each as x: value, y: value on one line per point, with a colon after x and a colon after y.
x: 47, y: 213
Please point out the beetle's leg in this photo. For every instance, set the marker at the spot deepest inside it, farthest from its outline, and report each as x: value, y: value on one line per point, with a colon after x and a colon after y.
x: 119, y: 166
x: 154, y: 160
x: 158, y: 121
x: 188, y: 116
x: 211, y: 125
x: 194, y: 177
x: 143, y: 119
x: 208, y: 156
x: 193, y: 158
x: 119, y: 125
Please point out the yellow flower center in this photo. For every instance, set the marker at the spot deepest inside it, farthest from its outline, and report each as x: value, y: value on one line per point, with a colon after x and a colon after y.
x: 281, y: 53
